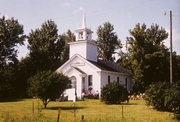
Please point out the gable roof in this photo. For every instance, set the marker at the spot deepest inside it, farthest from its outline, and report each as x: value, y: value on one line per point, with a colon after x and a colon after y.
x: 80, y: 57
x: 100, y: 65
x: 79, y: 70
x: 110, y: 66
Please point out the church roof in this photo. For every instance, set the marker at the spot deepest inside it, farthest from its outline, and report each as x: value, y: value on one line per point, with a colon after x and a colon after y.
x: 110, y: 66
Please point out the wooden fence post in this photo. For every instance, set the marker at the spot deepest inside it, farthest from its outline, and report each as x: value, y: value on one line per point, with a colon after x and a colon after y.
x: 82, y: 118
x: 122, y: 113
x: 58, y: 117
x: 33, y: 107
x: 74, y: 112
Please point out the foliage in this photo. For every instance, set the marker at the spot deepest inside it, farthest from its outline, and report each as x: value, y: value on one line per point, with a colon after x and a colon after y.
x: 164, y: 96
x: 155, y: 95
x: 68, y: 37
x: 124, y: 60
x: 45, y: 47
x: 148, y: 55
x: 176, y: 67
x: 172, y: 99
x: 6, y: 87
x: 11, y: 34
x: 11, y: 86
x: 47, y: 85
x: 107, y: 41
x: 114, y: 93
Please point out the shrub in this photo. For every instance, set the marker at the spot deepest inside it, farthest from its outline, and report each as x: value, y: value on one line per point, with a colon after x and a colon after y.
x: 114, y: 93
x: 155, y: 95
x: 172, y: 99
x: 164, y: 96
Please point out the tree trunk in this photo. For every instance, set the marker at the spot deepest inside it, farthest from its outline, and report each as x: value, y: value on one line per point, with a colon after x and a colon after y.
x: 45, y: 102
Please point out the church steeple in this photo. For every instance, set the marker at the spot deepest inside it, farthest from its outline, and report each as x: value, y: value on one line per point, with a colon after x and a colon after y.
x: 83, y: 46
x: 84, y: 21
x: 83, y: 33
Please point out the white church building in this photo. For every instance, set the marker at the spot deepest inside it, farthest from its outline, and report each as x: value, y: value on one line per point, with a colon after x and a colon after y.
x: 87, y: 71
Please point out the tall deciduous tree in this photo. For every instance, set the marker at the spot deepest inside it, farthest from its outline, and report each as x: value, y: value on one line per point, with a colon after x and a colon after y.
x: 11, y: 34
x: 107, y: 41
x: 67, y: 37
x: 46, y: 47
x: 148, y: 55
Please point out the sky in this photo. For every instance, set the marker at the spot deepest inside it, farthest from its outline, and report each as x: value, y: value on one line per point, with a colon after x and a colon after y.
x: 67, y: 14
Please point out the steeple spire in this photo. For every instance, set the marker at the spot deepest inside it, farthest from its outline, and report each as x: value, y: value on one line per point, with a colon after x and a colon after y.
x: 84, y: 21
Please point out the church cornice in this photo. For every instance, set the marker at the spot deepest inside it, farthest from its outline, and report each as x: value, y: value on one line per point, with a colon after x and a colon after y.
x: 83, y: 41
x: 83, y: 29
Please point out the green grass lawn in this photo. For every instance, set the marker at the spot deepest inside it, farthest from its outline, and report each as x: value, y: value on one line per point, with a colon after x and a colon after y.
x: 93, y: 111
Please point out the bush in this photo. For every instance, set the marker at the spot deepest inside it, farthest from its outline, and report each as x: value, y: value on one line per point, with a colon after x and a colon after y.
x: 155, y: 95
x: 114, y: 93
x: 164, y: 96
x: 172, y: 99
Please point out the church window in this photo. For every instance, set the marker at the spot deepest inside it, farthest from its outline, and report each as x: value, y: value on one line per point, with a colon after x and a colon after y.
x: 81, y: 35
x: 109, y: 78
x: 83, y: 82
x: 90, y: 80
x: 117, y: 79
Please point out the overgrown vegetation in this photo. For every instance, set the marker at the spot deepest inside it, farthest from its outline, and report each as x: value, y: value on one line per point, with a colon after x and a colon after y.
x: 164, y: 96
x: 114, y: 93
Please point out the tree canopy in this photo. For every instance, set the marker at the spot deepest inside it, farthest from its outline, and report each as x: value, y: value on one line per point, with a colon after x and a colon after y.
x: 107, y: 41
x: 67, y: 37
x: 11, y: 34
x: 148, y: 55
x: 47, y: 86
x: 46, y: 47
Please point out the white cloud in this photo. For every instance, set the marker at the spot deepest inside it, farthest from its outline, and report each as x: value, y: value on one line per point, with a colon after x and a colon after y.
x: 81, y: 8
x: 78, y: 10
x: 67, y: 5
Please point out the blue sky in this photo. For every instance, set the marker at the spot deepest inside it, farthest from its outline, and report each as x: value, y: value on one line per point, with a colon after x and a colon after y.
x: 67, y: 14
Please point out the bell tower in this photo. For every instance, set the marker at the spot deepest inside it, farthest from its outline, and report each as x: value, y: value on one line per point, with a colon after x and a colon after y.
x: 84, y: 46
x: 83, y: 33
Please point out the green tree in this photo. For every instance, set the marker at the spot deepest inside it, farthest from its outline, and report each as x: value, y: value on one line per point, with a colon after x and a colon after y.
x: 67, y: 37
x: 7, y: 89
x: 176, y: 67
x: 107, y: 41
x: 46, y: 47
x: 47, y: 86
x: 11, y: 34
x: 124, y: 60
x: 148, y: 55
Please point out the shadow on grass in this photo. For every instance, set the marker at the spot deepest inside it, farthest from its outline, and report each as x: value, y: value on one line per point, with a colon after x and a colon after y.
x: 65, y: 108
x: 11, y: 100
x: 128, y: 104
